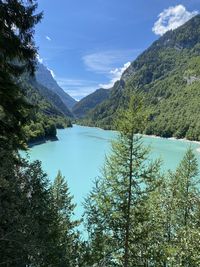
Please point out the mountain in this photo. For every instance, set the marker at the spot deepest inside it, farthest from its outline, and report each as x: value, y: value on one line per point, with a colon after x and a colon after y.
x: 167, y: 74
x: 89, y: 102
x: 45, y: 78
x: 52, y: 98
x: 48, y: 112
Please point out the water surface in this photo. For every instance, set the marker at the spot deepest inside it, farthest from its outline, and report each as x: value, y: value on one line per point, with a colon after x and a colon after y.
x: 80, y: 152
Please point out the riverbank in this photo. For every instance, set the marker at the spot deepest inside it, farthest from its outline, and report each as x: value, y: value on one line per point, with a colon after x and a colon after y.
x: 42, y: 141
x: 176, y: 139
x: 45, y: 139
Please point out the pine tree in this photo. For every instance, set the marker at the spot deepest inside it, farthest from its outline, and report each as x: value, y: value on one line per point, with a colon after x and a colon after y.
x: 17, y: 55
x: 173, y: 216
x: 186, y: 204
x: 27, y: 225
x: 68, y: 237
x: 115, y: 204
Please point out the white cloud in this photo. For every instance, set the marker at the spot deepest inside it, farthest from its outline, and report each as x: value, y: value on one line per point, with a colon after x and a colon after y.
x: 48, y: 38
x: 81, y: 88
x: 171, y: 18
x: 115, y: 76
x: 103, y: 62
x: 78, y: 88
x: 39, y: 59
x: 80, y: 92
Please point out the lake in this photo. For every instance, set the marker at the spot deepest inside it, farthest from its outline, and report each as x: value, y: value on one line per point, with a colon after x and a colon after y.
x: 80, y: 152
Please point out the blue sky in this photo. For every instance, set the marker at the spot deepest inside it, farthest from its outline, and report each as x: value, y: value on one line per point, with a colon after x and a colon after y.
x: 89, y: 43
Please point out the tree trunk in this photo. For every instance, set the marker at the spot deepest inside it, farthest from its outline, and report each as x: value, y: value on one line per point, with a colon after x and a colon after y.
x: 127, y: 229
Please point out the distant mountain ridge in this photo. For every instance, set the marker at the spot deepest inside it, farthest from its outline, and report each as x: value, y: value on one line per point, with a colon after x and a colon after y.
x: 48, y: 112
x: 167, y: 74
x: 89, y: 102
x: 45, y: 78
x: 51, y: 97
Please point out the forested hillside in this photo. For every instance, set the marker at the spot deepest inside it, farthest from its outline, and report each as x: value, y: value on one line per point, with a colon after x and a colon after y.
x: 90, y: 101
x: 45, y: 78
x: 48, y: 112
x: 168, y: 76
x: 135, y: 214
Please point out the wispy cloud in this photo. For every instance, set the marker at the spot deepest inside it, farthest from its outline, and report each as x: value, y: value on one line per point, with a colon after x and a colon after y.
x: 81, y: 92
x: 78, y: 88
x: 48, y: 38
x: 105, y: 61
x: 171, y: 18
x: 107, y: 64
x: 39, y: 59
x: 115, y: 76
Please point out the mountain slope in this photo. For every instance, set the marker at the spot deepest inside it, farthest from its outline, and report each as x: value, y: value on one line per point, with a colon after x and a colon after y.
x: 89, y: 102
x: 46, y: 115
x: 168, y: 75
x: 52, y: 98
x: 45, y: 78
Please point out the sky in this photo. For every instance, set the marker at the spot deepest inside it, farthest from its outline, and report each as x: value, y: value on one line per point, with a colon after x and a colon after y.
x: 87, y: 44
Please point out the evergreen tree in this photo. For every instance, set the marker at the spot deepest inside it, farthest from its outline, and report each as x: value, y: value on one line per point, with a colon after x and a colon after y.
x: 28, y: 220
x: 113, y: 209
x: 187, y: 198
x: 173, y: 217
x: 17, y: 55
x: 68, y: 237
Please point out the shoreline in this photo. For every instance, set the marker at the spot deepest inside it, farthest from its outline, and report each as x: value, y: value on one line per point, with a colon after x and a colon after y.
x: 47, y: 139
x: 153, y: 136
x: 40, y: 142
x: 176, y: 139
x: 173, y: 138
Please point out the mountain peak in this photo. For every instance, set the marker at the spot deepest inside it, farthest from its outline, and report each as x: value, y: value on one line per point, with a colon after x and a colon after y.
x: 45, y: 77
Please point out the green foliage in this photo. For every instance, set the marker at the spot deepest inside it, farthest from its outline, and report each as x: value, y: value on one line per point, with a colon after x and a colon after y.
x: 89, y: 102
x: 26, y: 216
x: 29, y: 233
x: 112, y: 210
x: 173, y: 222
x: 36, y: 226
x: 17, y: 23
x: 51, y: 97
x: 45, y: 79
x: 134, y: 215
x: 68, y: 236
x: 167, y: 74
x: 45, y: 117
x: 43, y: 127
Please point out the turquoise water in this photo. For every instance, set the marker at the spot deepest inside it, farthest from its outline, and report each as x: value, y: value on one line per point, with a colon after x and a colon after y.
x: 80, y: 152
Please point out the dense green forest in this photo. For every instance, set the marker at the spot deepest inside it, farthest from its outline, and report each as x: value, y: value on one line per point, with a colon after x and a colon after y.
x: 89, y: 102
x: 48, y: 112
x: 45, y: 78
x: 135, y: 215
x: 167, y: 74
